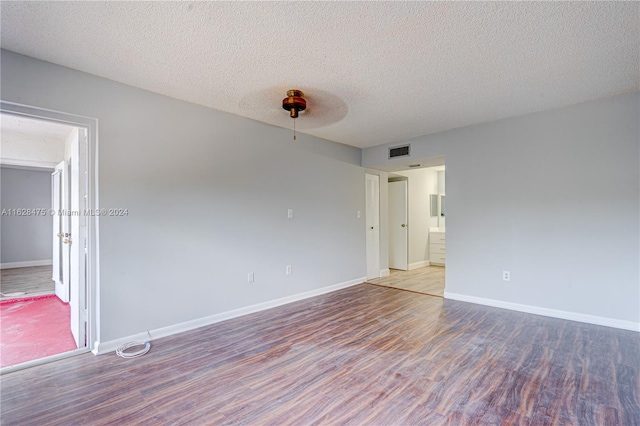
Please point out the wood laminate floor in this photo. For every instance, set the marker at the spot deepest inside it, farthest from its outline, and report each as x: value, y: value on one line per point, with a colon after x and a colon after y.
x: 363, y: 355
x: 426, y: 280
x: 21, y: 282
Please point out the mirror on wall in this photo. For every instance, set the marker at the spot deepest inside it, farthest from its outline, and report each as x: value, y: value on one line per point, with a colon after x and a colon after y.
x: 436, y: 204
x: 433, y: 203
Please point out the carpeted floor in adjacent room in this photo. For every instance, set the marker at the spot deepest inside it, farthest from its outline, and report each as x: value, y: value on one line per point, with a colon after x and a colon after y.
x: 33, y: 328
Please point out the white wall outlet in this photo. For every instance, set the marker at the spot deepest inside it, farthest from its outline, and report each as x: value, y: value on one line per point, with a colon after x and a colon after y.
x: 358, y: 214
x: 288, y: 270
x: 506, y: 275
x: 290, y: 214
x: 250, y: 277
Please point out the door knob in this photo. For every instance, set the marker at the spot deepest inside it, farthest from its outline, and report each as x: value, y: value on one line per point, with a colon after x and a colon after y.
x: 60, y: 234
x: 67, y: 241
x: 403, y: 225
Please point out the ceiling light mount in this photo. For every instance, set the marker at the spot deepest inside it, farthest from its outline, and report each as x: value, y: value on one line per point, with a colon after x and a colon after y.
x: 294, y: 102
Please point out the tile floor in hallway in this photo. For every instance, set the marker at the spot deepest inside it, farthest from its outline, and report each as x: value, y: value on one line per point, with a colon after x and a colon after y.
x: 29, y: 281
x: 426, y: 280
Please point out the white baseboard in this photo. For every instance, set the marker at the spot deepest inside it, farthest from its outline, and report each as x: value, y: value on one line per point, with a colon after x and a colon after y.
x: 385, y: 272
x: 554, y: 313
x: 26, y: 264
x: 111, y: 345
x: 417, y: 265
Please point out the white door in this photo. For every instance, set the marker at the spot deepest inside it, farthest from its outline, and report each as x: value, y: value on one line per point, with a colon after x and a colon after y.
x: 398, y: 258
x: 60, y: 205
x: 372, y: 214
x: 78, y: 198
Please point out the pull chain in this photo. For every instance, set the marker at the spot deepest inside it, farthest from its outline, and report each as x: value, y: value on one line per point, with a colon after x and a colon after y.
x: 294, y: 103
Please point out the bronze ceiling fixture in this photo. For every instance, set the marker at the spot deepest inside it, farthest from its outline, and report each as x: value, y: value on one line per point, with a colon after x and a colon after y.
x: 294, y: 103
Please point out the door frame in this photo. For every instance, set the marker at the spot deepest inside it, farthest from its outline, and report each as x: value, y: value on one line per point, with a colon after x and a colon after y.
x: 92, y: 244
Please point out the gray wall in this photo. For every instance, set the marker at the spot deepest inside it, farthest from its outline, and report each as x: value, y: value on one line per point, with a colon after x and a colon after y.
x: 552, y: 197
x: 25, y: 238
x: 207, y: 194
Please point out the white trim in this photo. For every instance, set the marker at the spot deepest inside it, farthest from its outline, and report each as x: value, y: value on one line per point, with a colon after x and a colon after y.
x: 26, y: 264
x: 27, y: 164
x: 45, y: 360
x: 554, y: 313
x: 385, y: 272
x: 417, y: 265
x: 110, y: 346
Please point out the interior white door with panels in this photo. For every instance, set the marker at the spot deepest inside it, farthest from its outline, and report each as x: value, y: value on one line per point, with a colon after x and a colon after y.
x: 398, y: 224
x: 59, y: 206
x: 372, y: 220
x: 78, y: 240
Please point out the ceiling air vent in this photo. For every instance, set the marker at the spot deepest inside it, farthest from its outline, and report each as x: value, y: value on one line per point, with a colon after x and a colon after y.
x: 400, y: 151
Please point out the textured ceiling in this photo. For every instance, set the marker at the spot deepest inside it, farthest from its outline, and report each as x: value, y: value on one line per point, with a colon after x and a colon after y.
x: 373, y: 72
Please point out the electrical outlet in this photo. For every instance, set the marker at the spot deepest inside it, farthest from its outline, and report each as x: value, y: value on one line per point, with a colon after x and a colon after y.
x: 506, y: 275
x: 358, y: 214
x: 290, y: 214
x: 288, y: 270
x: 250, y: 277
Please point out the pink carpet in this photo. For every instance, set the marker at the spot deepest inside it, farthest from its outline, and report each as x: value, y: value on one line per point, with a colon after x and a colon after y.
x: 32, y: 328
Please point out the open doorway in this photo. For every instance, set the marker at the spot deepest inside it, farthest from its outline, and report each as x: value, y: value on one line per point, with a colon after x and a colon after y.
x: 44, y: 299
x: 416, y: 230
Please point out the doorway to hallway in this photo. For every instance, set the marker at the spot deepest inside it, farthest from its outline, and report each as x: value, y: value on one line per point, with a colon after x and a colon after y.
x: 414, y: 212
x: 46, y: 263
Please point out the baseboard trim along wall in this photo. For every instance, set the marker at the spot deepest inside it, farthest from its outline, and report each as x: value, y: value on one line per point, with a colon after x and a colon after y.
x: 554, y: 313
x: 417, y: 265
x: 110, y: 346
x: 26, y: 264
x: 384, y: 273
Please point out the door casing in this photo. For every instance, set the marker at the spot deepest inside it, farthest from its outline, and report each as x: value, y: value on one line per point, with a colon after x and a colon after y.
x: 91, y: 245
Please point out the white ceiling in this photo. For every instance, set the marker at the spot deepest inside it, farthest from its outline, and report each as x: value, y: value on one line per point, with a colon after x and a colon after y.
x: 373, y: 72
